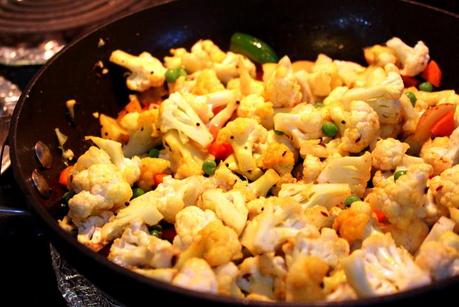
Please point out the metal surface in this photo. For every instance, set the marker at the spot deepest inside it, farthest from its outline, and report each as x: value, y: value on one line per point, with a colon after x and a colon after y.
x: 40, y: 183
x: 301, y: 29
x: 43, y: 154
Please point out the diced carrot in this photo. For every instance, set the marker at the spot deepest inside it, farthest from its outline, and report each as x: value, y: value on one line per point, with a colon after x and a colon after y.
x: 158, y: 178
x: 132, y: 106
x: 445, y: 126
x: 410, y: 81
x: 65, y: 174
x: 214, y: 130
x: 432, y: 73
x: 217, y: 109
x: 220, y: 151
x: 379, y: 215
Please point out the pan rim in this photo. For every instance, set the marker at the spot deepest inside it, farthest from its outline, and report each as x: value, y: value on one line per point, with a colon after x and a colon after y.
x: 98, y: 259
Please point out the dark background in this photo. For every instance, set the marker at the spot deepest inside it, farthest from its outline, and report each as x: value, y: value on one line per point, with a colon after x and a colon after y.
x: 26, y: 273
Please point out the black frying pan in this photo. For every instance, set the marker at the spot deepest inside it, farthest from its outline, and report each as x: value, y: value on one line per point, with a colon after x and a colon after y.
x: 300, y: 29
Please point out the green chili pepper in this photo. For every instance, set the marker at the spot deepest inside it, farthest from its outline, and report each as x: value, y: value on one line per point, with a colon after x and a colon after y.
x: 209, y: 167
x: 350, y: 199
x: 172, y: 74
x: 252, y: 47
x: 398, y: 174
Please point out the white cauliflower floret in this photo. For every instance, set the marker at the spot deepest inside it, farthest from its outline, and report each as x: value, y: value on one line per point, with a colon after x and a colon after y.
x: 348, y: 72
x: 325, y: 245
x: 303, y: 122
x: 355, y: 171
x: 440, y: 257
x: 259, y: 187
x: 380, y: 267
x: 228, y: 206
x: 383, y: 98
x: 255, y: 106
x: 245, y: 136
x: 246, y: 85
x: 146, y: 70
x: 231, y: 66
x: 328, y: 195
x: 203, y: 54
x: 197, y: 275
x: 176, y: 113
x: 146, y: 134
x: 227, y: 275
x: 215, y: 243
x: 137, y: 248
x: 379, y: 55
x: 337, y: 288
x: 441, y: 226
x: 312, y: 167
x: 324, y: 76
x: 252, y: 280
x: 444, y: 188
x: 224, y: 178
x: 92, y: 156
x: 400, y: 200
x: 281, y: 86
x: 414, y: 60
x: 441, y: 152
x: 356, y: 223
x: 188, y: 222
x: 358, y: 124
x: 206, y: 82
x: 89, y: 231
x: 186, y: 159
x: 100, y: 187
x: 388, y: 154
x: 279, y: 221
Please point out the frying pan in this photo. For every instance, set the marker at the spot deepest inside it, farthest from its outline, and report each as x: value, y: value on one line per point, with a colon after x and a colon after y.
x: 298, y: 28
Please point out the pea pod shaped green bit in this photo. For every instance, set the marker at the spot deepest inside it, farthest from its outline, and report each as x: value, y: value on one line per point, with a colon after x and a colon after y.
x: 253, y: 48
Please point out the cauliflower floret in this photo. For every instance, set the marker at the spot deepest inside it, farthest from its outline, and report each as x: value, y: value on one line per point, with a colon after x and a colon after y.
x: 245, y: 85
x: 356, y: 223
x: 165, y: 275
x: 137, y: 248
x: 400, y: 200
x: 304, y: 279
x: 281, y: 219
x: 224, y: 178
x: 312, y: 167
x: 92, y: 156
x: 380, y: 267
x: 279, y: 157
x: 325, y: 245
x: 412, y: 239
x: 414, y: 60
x: 388, y: 154
x: 308, y: 195
x: 252, y: 280
x: 149, y: 167
x: 303, y: 122
x: 440, y: 257
x: 215, y: 243
x: 324, y: 77
x: 196, y: 274
x: 444, y: 188
x: 228, y: 206
x: 358, y: 124
x: 383, y: 98
x: 379, y: 55
x: 258, y: 188
x: 188, y: 222
x: 337, y: 288
x: 203, y: 54
x: 354, y: 171
x: 89, y: 231
x: 255, y: 106
x: 146, y: 135
x: 227, y: 275
x: 232, y: 67
x: 320, y: 216
x: 207, y: 82
x: 349, y: 72
x: 146, y: 70
x: 441, y: 152
x: 186, y: 159
x: 281, y: 86
x: 245, y: 136
x: 100, y: 187
x: 176, y: 113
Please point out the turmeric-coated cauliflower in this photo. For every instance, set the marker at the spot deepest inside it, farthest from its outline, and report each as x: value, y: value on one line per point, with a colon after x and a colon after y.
x: 414, y: 59
x: 388, y: 154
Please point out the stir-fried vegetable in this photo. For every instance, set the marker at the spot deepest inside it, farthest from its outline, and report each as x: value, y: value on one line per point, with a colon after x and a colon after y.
x: 252, y: 47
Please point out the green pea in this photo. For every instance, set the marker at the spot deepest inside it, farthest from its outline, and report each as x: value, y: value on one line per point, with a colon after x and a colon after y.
x: 319, y: 105
x: 330, y: 129
x: 278, y: 132
x: 153, y: 153
x: 350, y: 199
x: 137, y: 192
x: 252, y: 47
x: 156, y: 230
x: 172, y: 74
x: 209, y: 167
x: 399, y: 173
x: 426, y: 87
x: 412, y: 97
x: 66, y: 197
